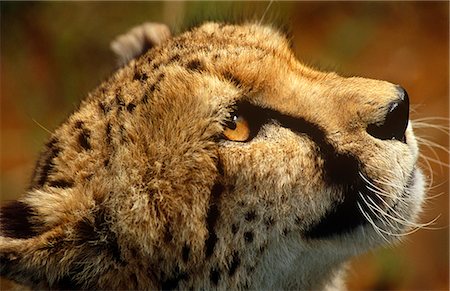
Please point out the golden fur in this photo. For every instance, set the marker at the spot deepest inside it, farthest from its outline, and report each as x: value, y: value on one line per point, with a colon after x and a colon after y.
x: 139, y: 190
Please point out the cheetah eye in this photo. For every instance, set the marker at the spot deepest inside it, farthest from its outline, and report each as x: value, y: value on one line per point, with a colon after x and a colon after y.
x: 237, y: 129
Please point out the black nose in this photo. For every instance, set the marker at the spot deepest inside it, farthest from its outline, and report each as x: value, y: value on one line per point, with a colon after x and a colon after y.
x: 395, y: 121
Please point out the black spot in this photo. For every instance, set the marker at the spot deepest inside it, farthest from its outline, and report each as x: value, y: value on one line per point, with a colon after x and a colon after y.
x: 175, y: 58
x: 212, y: 217
x: 185, y: 251
x: 136, y: 75
x: 220, y: 167
x: 210, y: 244
x: 232, y: 78
x: 123, y: 134
x: 180, y: 46
x: 168, y: 236
x: 145, y: 97
x: 269, y: 222
x: 286, y: 231
x: 140, y: 76
x: 104, y: 108
x: 67, y: 282
x: 262, y: 248
x: 48, y: 165
x: 83, y: 139
x: 234, y: 228
x: 61, y: 183
x: 134, y: 280
x: 18, y: 220
x: 248, y: 236
x: 156, y: 66
x: 195, y: 65
x: 250, y: 215
x: 119, y: 101
x: 235, y: 262
x: 172, y: 282
x: 160, y: 77
x: 153, y: 87
x: 106, y: 162
x: 85, y: 231
x: 108, y: 134
x: 79, y: 124
x: 130, y: 107
x: 113, y: 247
x: 214, y: 276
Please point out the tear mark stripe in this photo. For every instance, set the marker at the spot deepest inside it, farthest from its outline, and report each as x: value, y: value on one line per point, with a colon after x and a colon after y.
x: 340, y: 169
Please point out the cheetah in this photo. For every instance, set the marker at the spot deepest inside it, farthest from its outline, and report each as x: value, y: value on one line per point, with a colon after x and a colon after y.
x: 215, y: 160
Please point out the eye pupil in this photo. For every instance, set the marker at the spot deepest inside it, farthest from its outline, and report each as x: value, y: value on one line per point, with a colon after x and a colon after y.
x: 232, y: 124
x: 237, y: 128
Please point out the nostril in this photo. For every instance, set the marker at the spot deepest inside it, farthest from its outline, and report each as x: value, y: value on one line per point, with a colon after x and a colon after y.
x: 396, y: 120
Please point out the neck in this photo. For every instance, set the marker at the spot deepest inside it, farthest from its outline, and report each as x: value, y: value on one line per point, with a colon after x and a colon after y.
x: 290, y: 266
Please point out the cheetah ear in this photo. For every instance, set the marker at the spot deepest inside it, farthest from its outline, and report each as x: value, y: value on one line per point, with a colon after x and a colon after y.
x: 34, y: 255
x: 22, y: 250
x: 138, y: 40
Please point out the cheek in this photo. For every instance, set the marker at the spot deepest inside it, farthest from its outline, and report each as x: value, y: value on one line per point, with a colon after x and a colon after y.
x: 284, y: 173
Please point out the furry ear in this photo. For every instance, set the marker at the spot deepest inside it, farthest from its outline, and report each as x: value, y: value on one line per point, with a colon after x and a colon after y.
x: 18, y: 220
x: 19, y: 233
x: 26, y: 250
x: 138, y: 40
x: 63, y: 255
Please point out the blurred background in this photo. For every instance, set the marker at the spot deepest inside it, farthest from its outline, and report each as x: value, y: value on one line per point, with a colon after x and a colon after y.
x: 52, y: 54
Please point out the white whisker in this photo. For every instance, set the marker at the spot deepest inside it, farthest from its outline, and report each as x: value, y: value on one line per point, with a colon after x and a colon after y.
x: 437, y: 118
x: 438, y: 162
x: 367, y: 217
x: 432, y: 144
x: 265, y: 12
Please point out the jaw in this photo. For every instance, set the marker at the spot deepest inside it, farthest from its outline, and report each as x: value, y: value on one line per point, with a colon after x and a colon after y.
x: 298, y: 263
x: 406, y: 208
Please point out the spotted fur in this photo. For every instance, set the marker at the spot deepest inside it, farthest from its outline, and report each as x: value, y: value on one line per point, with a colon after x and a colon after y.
x: 139, y: 189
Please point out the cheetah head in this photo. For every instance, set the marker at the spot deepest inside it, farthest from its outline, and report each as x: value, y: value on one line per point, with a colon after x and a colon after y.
x: 216, y: 160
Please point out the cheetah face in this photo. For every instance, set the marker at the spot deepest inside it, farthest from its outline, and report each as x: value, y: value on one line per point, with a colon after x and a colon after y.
x: 217, y: 160
x: 331, y: 186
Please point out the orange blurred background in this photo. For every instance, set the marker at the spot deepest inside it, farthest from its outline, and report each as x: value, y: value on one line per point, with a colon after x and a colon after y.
x: 52, y: 54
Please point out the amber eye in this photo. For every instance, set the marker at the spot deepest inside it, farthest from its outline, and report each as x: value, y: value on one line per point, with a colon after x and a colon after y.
x: 237, y: 129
